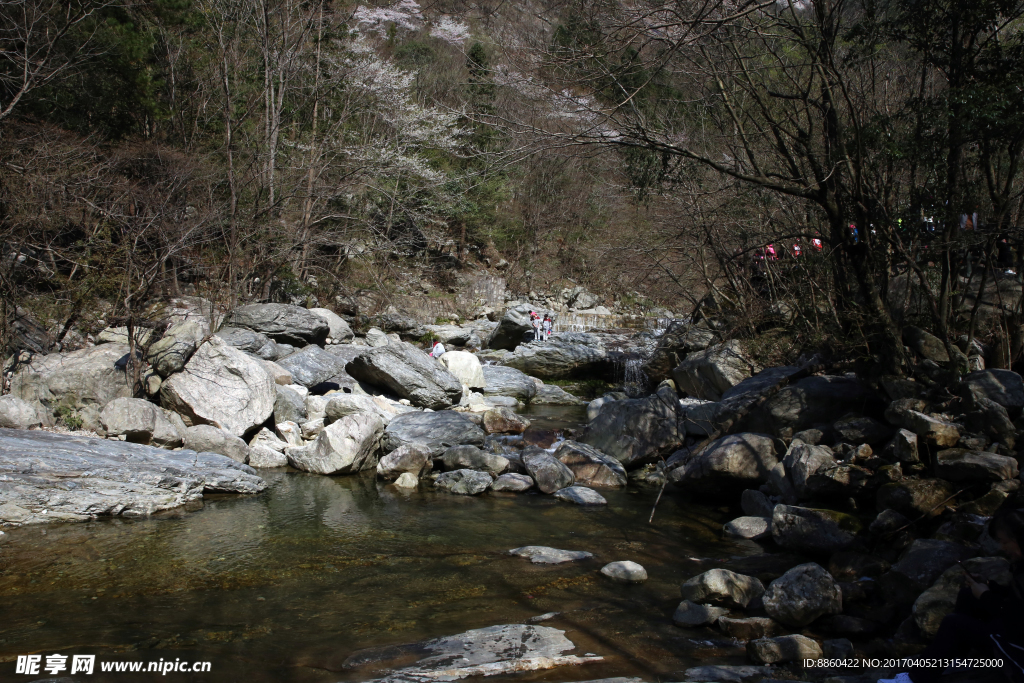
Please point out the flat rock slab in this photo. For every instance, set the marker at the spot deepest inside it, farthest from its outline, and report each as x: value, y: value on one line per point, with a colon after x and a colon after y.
x: 580, y: 495
x: 539, y: 554
x: 48, y: 477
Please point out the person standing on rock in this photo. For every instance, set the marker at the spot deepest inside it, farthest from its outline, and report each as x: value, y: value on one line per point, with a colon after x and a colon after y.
x: 988, y: 620
x: 536, y: 326
x: 437, y: 351
x: 546, y: 326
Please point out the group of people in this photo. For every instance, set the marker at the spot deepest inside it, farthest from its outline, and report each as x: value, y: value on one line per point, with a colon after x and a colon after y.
x: 541, y: 327
x: 771, y: 252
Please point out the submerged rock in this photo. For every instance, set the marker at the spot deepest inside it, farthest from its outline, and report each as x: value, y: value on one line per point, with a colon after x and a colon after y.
x: 464, y: 482
x: 540, y: 554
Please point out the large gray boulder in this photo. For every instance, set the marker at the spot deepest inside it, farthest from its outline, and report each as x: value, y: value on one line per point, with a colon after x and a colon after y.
x: 169, y: 354
x: 289, y: 406
x: 589, y: 466
x: 313, y: 365
x: 709, y: 373
x: 734, y: 461
x: 409, y: 458
x: 512, y: 483
x: 472, y: 458
x: 803, y: 462
x: 18, y: 414
x: 1005, y: 387
x: 266, y: 450
x: 512, y: 328
x: 504, y: 381
x: 580, y: 495
x: 454, y: 335
x: 281, y: 322
x: 139, y: 421
x: 210, y: 439
x: 635, y: 431
x: 346, y: 446
x: 464, y: 482
x: 678, y: 341
x: 562, y: 356
x: 803, y: 594
x: 959, y: 464
x: 466, y: 368
x: 549, y: 473
x: 341, y: 405
x: 811, y: 530
x: 90, y: 377
x: 436, y: 432
x: 48, y: 477
x: 338, y: 329
x: 551, y: 395
x: 221, y: 386
x: 409, y: 373
x: 722, y: 587
x: 255, y: 343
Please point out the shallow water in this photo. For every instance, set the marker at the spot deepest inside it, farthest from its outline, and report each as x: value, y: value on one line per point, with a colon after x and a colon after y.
x: 285, y: 585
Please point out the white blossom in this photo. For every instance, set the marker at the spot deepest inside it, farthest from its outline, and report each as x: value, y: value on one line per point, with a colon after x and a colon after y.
x: 404, y: 14
x: 451, y: 31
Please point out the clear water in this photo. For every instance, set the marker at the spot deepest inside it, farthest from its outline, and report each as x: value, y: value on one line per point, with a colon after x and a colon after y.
x: 286, y: 585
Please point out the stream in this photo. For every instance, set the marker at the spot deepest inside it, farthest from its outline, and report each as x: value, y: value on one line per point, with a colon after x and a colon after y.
x: 288, y: 584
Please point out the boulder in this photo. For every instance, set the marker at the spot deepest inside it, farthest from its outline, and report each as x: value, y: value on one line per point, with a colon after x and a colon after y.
x: 18, y: 414
x: 266, y: 450
x: 635, y: 431
x: 803, y: 594
x: 289, y: 406
x: 259, y: 345
x: 756, y: 504
x: 47, y: 478
x: 677, y: 341
x: 811, y: 530
x: 502, y: 420
x: 465, y: 367
x: 550, y: 474
x: 580, y: 495
x: 814, y: 400
x: 313, y: 365
x: 625, y: 572
x: 751, y: 528
x: 734, y: 461
x: 282, y: 323
x: 140, y: 421
x: 940, y: 599
x: 407, y: 480
x: 89, y: 377
x: 464, y: 482
x: 802, y: 462
x: 792, y: 648
x: 924, y: 560
x: 513, y: 327
x: 408, y: 458
x: 119, y: 335
x: 503, y: 381
x: 539, y: 554
x: 436, y: 432
x: 904, y: 446
x: 454, y: 335
x: 991, y: 419
x: 709, y: 373
x: 689, y: 614
x: 551, y: 395
x: 512, y: 482
x: 290, y: 433
x: 169, y: 354
x: 925, y: 344
x: 1005, y: 387
x: 281, y: 376
x: 346, y: 446
x: 959, y: 464
x: 915, y: 497
x: 932, y: 430
x: 567, y: 355
x: 211, y: 439
x: 311, y: 428
x: 750, y: 628
x: 338, y: 329
x: 589, y: 466
x: 722, y: 587
x: 340, y: 405
x: 376, y: 338
x: 223, y: 387
x: 757, y: 384
x: 409, y: 373
x: 472, y: 458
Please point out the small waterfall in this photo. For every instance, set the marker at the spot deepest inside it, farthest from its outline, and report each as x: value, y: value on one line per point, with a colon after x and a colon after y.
x: 634, y: 379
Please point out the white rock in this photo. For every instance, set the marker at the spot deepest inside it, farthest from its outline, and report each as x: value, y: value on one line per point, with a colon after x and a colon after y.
x: 346, y: 446
x: 625, y: 572
x: 340, y: 331
x: 539, y: 554
x: 290, y: 433
x: 407, y: 480
x: 466, y: 367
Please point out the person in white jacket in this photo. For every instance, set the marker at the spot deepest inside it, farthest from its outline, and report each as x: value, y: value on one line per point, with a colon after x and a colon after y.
x: 437, y: 351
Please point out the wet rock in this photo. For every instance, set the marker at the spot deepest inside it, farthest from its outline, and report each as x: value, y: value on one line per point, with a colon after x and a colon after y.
x: 689, y: 613
x: 464, y: 482
x: 140, y: 421
x: 90, y: 377
x: 709, y: 373
x: 512, y: 329
x: 210, y: 439
x: 751, y: 528
x: 750, y: 628
x: 436, y: 432
x: 223, y: 387
x: 734, y: 461
x: 722, y: 587
x: 407, y: 480
x: 338, y: 329
x: 465, y: 367
x: 958, y: 464
x: 792, y: 648
x: 939, y: 600
x: 281, y: 322
x: 549, y: 473
x: 676, y: 343
x: 289, y: 406
x: 503, y: 381
x: 803, y: 594
x: 472, y: 458
x: 634, y: 431
x: 539, y: 554
x: 590, y: 466
x: 408, y: 458
x: 409, y: 373
x: 313, y: 365
x: 1005, y: 387
x: 512, y: 482
x: 813, y: 530
x: 18, y: 414
x: 756, y: 504
x: 503, y: 420
x: 725, y: 673
x: 346, y: 446
x: 925, y: 344
x: 169, y: 354
x: 550, y: 395
x: 858, y: 430
x: 625, y: 572
x: 580, y: 495
x: 569, y: 354
x: 48, y: 477
x: 915, y: 497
